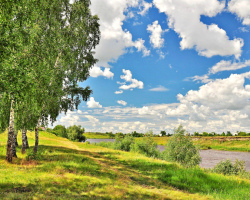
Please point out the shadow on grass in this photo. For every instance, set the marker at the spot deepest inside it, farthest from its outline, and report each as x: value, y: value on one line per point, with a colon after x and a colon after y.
x: 193, y: 180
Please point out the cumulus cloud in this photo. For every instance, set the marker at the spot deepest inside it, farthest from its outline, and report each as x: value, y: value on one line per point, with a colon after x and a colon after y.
x: 93, y: 104
x: 119, y: 92
x: 208, y: 40
x: 156, y: 34
x: 121, y: 102
x: 139, y: 44
x: 70, y: 119
x: 97, y: 71
x: 241, y: 8
x: 229, y: 93
x: 114, y: 40
x: 160, y: 88
x: 92, y: 119
x: 145, y: 6
x: 134, y: 83
x: 145, y: 111
x: 228, y: 66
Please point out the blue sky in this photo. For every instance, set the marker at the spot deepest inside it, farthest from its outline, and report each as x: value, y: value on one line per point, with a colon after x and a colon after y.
x: 163, y: 63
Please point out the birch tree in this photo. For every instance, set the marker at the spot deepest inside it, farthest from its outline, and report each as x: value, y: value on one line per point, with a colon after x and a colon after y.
x: 46, y: 49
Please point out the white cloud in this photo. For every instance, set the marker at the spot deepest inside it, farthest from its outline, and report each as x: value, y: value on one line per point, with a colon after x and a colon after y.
x: 128, y: 78
x: 93, y: 104
x: 119, y: 92
x: 208, y: 40
x: 160, y: 88
x: 145, y: 111
x: 139, y: 44
x: 241, y: 8
x: 92, y: 119
x: 244, y: 29
x: 145, y: 7
x: 203, y: 79
x: 228, y: 66
x: 156, y: 34
x: 70, y: 118
x: 229, y: 93
x: 121, y: 102
x: 114, y: 40
x: 97, y: 71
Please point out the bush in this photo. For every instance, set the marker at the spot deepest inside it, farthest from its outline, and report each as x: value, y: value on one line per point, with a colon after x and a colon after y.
x: 60, y: 130
x: 146, y: 146
x: 75, y: 133
x: 227, y: 168
x: 181, y: 149
x: 242, y: 134
x: 123, y: 143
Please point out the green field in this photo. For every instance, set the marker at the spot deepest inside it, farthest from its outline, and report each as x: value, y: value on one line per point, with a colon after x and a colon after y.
x: 70, y: 170
x: 89, y: 135
x: 218, y: 143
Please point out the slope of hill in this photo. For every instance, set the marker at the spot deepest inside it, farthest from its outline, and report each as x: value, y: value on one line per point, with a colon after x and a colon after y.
x: 71, y: 170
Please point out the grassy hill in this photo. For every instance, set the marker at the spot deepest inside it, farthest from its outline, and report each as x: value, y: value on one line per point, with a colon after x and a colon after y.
x: 70, y: 170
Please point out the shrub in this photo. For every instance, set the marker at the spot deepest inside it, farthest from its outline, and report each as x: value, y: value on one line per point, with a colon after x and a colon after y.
x: 105, y: 144
x: 60, y: 130
x: 227, y: 168
x: 181, y: 149
x: 146, y: 146
x: 123, y: 143
x: 75, y: 133
x: 242, y: 134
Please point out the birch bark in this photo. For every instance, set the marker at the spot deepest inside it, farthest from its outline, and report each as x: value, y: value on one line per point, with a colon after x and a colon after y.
x: 9, y: 153
x: 24, y: 141
x: 37, y: 136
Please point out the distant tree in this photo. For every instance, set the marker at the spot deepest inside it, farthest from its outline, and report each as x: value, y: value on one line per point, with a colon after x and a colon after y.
x: 196, y: 134
x: 163, y: 133
x: 223, y: 134
x: 204, y: 134
x: 135, y: 134
x: 242, y: 133
x: 229, y: 133
x: 75, y: 133
x: 60, y: 130
x: 149, y: 133
x: 119, y: 135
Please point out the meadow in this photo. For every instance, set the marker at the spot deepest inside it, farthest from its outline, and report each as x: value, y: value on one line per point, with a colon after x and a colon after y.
x: 218, y: 143
x: 226, y: 143
x: 71, y: 170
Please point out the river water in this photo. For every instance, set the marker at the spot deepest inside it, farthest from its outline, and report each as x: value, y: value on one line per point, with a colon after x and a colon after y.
x: 209, y: 157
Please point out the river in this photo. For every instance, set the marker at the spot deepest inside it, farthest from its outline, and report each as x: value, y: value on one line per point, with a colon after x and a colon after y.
x: 209, y: 157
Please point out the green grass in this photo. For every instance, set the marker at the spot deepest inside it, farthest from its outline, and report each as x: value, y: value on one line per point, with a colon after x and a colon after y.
x: 97, y: 136
x: 217, y: 143
x: 71, y: 170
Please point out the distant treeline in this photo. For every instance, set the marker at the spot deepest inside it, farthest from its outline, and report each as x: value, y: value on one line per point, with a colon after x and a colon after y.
x: 74, y: 133
x: 228, y: 133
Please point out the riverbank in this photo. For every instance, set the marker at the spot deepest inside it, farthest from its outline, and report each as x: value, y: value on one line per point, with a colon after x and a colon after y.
x: 210, y: 157
x: 217, y: 143
x: 226, y: 143
x: 72, y: 170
